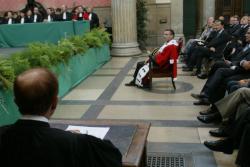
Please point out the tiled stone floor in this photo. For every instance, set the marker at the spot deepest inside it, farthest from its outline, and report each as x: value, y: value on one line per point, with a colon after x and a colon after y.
x: 172, y: 114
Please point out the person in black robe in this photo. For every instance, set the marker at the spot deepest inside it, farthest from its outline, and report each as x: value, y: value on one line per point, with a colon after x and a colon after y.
x: 31, y: 141
x: 93, y: 18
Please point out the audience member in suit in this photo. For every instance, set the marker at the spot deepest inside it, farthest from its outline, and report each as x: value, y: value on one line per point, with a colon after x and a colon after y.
x: 239, y: 54
x: 50, y: 16
x: 65, y: 15
x: 29, y: 17
x: 215, y: 87
x: 30, y: 141
x: 212, y: 50
x: 235, y: 85
x: 230, y: 107
x: 238, y: 138
x: 239, y: 34
x: 37, y: 17
x: 8, y: 18
x: 93, y: 18
x: 233, y: 24
x: 192, y: 43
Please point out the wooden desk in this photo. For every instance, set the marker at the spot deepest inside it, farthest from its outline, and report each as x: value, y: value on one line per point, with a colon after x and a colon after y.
x: 137, y: 152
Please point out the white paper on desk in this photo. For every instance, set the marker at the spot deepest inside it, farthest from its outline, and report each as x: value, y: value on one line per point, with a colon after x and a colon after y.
x: 99, y: 132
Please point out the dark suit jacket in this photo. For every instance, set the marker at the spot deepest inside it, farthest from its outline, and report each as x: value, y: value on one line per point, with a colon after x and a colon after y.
x: 28, y: 19
x: 5, y: 21
x: 232, y: 28
x: 240, y: 34
x: 39, y: 18
x: 219, y: 42
x: 34, y: 144
x: 94, y: 22
x: 52, y: 16
x: 242, y: 55
x: 239, y: 132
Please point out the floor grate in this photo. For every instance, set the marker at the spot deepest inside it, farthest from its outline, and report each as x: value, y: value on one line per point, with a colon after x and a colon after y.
x: 168, y: 160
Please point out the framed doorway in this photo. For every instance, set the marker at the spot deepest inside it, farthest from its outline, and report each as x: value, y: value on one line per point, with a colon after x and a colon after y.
x: 228, y: 8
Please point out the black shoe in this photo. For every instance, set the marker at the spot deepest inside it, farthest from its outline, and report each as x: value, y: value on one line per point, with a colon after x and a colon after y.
x: 219, y: 132
x: 224, y: 146
x: 187, y: 69
x: 202, y: 101
x: 212, y: 118
x: 202, y: 76
x: 197, y: 96
x: 208, y: 111
x: 131, y: 83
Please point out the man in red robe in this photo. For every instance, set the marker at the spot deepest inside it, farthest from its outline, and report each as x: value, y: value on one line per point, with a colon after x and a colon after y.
x: 167, y: 55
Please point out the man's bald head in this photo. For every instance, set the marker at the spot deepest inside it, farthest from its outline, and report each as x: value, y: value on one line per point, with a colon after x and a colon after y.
x: 35, y: 91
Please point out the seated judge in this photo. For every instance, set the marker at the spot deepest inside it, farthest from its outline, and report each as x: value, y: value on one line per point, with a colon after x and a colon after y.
x: 65, y: 15
x: 37, y: 17
x: 93, y: 18
x: 29, y: 17
x: 166, y: 55
x: 21, y: 18
x: 8, y: 18
x: 50, y: 16
x: 30, y: 141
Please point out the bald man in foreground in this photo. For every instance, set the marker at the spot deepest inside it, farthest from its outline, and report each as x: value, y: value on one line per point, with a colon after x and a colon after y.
x: 31, y: 142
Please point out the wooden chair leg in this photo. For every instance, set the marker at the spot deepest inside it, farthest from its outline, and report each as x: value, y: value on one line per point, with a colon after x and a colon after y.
x: 173, y: 83
x: 150, y: 82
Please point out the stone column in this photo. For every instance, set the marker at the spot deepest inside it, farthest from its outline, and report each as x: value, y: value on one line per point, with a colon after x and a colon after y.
x: 208, y: 10
x: 177, y: 17
x: 124, y: 28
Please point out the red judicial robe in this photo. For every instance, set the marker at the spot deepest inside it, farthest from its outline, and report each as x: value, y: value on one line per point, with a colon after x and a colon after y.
x: 168, y: 54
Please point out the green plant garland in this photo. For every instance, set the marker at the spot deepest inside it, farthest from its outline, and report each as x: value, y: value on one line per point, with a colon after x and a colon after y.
x: 47, y: 55
x: 141, y: 12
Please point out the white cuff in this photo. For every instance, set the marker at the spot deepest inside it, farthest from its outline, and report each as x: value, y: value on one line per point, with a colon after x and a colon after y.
x: 171, y: 61
x: 233, y: 67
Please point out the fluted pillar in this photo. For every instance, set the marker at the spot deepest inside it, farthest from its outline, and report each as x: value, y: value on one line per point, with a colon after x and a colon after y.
x: 124, y: 28
x: 208, y: 10
x: 177, y: 17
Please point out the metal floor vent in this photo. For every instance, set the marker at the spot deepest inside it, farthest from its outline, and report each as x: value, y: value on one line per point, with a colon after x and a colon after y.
x: 168, y: 160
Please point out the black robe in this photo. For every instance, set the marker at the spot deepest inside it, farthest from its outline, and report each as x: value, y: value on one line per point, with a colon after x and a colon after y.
x: 35, y: 144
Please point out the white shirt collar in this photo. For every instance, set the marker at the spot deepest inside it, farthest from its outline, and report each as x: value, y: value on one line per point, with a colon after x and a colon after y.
x: 90, y: 16
x: 64, y: 16
x: 10, y: 21
x: 49, y: 18
x: 34, y: 118
x: 22, y: 20
x: 172, y: 42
